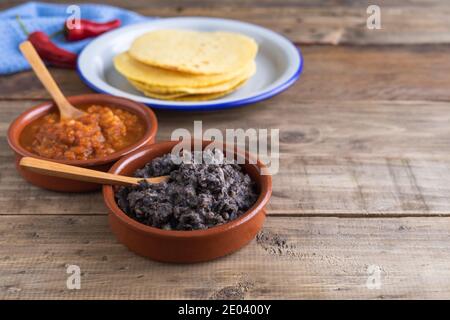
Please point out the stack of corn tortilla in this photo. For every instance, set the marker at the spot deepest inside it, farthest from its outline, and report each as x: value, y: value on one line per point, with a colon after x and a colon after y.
x: 187, y: 65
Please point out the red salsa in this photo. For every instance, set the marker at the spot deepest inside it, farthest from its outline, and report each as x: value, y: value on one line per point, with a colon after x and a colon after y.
x: 97, y: 134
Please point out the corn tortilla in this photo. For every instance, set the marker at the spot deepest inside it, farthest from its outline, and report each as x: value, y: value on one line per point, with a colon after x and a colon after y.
x: 152, y: 76
x: 192, y: 97
x: 195, y: 52
x: 248, y: 72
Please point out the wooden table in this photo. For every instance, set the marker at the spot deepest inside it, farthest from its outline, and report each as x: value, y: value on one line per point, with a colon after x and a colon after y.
x: 364, y: 179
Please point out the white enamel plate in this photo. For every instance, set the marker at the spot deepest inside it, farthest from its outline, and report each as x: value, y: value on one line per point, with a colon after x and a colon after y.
x: 278, y: 63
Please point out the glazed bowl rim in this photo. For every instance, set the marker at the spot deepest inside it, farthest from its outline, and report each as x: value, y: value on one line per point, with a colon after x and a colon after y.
x: 109, y: 199
x: 17, y: 126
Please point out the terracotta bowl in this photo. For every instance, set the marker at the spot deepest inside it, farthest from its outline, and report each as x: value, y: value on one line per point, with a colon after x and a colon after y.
x: 184, y: 246
x: 103, y: 164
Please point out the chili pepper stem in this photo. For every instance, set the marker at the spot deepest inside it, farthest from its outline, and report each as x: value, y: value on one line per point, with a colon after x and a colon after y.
x: 56, y: 33
x: 22, y: 25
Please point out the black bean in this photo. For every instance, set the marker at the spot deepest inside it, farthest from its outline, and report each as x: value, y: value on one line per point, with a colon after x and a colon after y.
x: 197, y: 196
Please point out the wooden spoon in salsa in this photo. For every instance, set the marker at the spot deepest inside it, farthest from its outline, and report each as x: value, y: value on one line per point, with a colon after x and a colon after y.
x: 66, y: 110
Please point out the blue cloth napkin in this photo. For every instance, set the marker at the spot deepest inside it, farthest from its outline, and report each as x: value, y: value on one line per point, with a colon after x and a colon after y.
x: 49, y: 18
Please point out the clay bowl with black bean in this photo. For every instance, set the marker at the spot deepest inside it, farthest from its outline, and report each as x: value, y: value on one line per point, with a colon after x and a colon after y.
x: 185, y: 246
x: 24, y: 129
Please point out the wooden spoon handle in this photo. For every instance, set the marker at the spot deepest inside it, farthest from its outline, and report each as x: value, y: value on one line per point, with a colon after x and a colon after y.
x: 56, y: 169
x: 66, y: 110
x: 41, y: 71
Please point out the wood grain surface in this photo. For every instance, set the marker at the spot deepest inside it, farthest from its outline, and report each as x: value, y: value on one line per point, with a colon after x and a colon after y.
x: 330, y: 73
x: 291, y: 258
x: 314, y: 22
x: 365, y: 157
x: 363, y: 179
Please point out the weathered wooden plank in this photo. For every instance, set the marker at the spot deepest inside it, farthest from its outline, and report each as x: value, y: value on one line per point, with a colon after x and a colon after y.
x: 326, y: 258
x: 354, y: 158
x: 25, y: 85
x: 316, y: 22
x: 339, y: 24
x: 390, y: 129
x: 304, y: 186
x: 330, y: 73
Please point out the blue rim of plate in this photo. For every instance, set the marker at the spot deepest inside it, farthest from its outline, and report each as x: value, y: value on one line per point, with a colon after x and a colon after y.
x: 219, y: 105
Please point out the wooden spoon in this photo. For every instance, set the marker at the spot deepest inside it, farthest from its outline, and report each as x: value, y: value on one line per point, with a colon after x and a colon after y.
x: 66, y: 110
x: 56, y: 169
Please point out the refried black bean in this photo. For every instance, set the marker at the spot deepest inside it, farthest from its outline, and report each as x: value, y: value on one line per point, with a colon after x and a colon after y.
x: 196, y: 196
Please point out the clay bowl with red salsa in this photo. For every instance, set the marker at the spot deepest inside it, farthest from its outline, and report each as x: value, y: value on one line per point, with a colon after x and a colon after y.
x: 111, y: 128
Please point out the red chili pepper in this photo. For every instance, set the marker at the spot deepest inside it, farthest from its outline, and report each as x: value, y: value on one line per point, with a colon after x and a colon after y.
x: 87, y: 29
x: 48, y: 51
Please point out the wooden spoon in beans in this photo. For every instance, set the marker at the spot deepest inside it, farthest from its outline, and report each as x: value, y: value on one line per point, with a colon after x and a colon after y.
x: 56, y: 169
